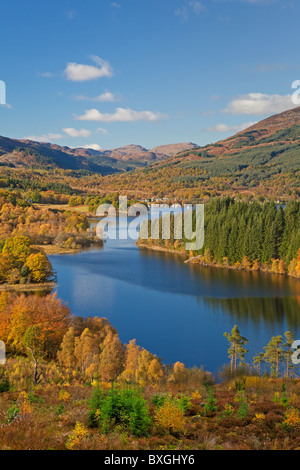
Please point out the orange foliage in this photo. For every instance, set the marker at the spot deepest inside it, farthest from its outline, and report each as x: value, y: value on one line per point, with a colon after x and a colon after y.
x: 18, y: 313
x: 170, y: 417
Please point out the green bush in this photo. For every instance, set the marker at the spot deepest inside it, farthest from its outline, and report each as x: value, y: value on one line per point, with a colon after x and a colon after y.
x: 184, y: 403
x: 210, y: 403
x: 158, y: 400
x: 119, y: 407
x: 12, y: 413
x: 4, y: 385
x: 244, y: 407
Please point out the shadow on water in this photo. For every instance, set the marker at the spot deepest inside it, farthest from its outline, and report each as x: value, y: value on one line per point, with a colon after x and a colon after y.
x: 275, y: 311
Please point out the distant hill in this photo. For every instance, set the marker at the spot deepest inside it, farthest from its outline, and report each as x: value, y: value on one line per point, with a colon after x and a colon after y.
x: 263, y: 159
x: 26, y: 153
x: 173, y: 149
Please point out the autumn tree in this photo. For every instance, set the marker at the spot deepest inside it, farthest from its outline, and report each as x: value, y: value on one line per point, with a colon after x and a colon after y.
x: 149, y: 368
x: 274, y: 354
x: 87, y: 352
x: 21, y: 312
x: 6, y: 266
x: 295, y: 264
x: 66, y: 354
x: 33, y: 344
x: 155, y: 371
x: 179, y: 374
x: 18, y: 249
x: 258, y: 361
x: 132, y: 352
x: 236, y: 350
x: 288, y: 351
x: 111, y: 358
x: 39, y: 267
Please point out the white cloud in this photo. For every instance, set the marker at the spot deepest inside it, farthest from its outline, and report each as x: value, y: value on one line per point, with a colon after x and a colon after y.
x: 182, y: 13
x: 253, y: 2
x: 194, y: 7
x: 81, y: 73
x: 106, y: 97
x: 262, y: 2
x: 115, y: 5
x: 91, y: 146
x: 259, y: 104
x: 70, y: 131
x: 198, y: 7
x: 226, y: 128
x: 50, y: 137
x: 102, y: 131
x: 120, y: 115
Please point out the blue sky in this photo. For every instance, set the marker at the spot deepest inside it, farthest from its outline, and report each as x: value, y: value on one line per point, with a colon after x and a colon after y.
x: 108, y: 74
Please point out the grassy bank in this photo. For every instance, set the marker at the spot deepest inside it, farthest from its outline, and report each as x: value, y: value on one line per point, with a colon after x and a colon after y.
x: 58, y: 250
x: 45, y: 286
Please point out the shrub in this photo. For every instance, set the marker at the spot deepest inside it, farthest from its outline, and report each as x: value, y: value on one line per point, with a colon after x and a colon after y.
x: 158, y: 400
x: 259, y: 418
x: 210, y: 403
x: 64, y: 396
x: 284, y: 399
x: 242, y: 371
x: 243, y: 408
x: 79, y: 434
x: 120, y: 407
x: 95, y: 405
x: 34, y: 399
x: 12, y: 413
x: 292, y: 420
x: 228, y: 410
x: 170, y: 416
x: 4, y: 385
x: 60, y: 409
x: 240, y: 384
x: 139, y: 419
x: 184, y: 402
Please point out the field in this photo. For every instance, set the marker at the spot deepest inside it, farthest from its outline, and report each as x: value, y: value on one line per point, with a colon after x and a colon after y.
x: 256, y: 415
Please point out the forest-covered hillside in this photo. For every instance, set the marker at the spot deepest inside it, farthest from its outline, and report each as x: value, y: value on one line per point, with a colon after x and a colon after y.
x: 263, y: 160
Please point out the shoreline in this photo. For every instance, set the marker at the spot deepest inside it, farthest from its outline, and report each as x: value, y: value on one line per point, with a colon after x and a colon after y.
x: 58, y: 250
x: 27, y: 287
x: 161, y: 248
x: 195, y: 260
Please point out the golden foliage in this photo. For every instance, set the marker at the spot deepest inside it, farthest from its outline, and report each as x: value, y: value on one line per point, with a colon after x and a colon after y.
x: 170, y: 417
x: 292, y: 419
x: 79, y: 434
x: 39, y: 267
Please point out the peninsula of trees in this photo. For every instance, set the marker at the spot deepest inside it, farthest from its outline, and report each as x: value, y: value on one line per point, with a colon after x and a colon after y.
x: 251, y: 236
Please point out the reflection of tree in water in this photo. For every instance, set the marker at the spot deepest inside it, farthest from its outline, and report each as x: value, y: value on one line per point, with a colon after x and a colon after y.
x: 274, y: 311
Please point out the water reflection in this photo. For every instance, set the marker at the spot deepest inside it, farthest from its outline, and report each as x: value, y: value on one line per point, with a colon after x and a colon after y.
x: 275, y: 311
x: 177, y: 311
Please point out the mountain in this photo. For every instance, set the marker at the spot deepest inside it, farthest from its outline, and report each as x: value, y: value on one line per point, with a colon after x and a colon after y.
x: 261, y: 160
x: 173, y: 149
x: 26, y: 153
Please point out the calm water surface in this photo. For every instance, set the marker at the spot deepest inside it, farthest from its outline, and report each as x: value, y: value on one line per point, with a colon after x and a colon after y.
x: 177, y: 311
